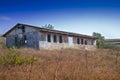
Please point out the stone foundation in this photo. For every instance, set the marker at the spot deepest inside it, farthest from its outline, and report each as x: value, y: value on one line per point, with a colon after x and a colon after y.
x: 51, y: 46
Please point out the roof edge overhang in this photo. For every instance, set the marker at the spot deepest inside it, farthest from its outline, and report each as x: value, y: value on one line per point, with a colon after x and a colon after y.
x: 4, y: 35
x: 49, y: 30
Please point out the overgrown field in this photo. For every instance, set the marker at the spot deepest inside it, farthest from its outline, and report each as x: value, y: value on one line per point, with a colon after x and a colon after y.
x: 68, y: 64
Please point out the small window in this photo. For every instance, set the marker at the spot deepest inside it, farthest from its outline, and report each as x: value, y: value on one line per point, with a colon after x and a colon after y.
x: 49, y: 38
x: 23, y: 29
x: 78, y: 41
x: 85, y: 42
x: 60, y: 39
x: 82, y: 41
x: 25, y: 39
x: 55, y: 38
x: 16, y: 40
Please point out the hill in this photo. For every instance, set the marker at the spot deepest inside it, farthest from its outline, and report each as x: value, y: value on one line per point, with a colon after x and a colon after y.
x: 68, y: 64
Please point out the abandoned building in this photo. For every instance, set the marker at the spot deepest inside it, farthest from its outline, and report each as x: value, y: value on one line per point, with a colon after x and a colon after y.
x: 23, y: 35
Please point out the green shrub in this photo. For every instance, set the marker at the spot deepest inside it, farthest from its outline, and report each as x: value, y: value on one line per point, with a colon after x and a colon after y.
x: 13, y: 58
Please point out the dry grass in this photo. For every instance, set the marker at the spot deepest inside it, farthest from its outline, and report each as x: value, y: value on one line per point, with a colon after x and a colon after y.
x: 68, y: 64
x: 2, y: 39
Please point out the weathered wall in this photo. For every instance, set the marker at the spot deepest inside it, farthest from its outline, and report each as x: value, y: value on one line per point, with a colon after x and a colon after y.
x: 43, y: 44
x: 18, y: 31
x: 10, y: 41
x: 32, y: 38
x: 89, y: 40
x: 38, y: 39
x: 47, y: 45
x: 31, y: 42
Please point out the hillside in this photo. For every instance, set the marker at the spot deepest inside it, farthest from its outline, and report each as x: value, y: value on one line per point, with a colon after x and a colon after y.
x: 68, y: 64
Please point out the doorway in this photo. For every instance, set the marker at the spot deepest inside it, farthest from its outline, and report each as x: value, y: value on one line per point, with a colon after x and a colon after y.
x: 70, y: 41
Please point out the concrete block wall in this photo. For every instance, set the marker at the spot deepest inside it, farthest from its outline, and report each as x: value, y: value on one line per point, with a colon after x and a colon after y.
x: 65, y: 44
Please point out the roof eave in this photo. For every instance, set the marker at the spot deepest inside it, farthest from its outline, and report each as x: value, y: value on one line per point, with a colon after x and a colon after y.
x: 4, y: 35
x: 48, y: 30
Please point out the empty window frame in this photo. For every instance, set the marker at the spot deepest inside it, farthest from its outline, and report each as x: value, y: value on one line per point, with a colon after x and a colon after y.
x: 16, y: 40
x: 60, y: 39
x: 85, y: 42
x: 78, y: 41
x: 82, y: 41
x: 25, y: 39
x: 54, y: 38
x: 23, y: 29
x: 49, y: 38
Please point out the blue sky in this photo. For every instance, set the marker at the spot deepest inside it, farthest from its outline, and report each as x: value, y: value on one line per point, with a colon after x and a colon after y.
x: 80, y: 16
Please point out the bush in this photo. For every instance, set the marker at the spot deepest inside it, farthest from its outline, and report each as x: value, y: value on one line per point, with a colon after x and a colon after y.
x: 13, y: 58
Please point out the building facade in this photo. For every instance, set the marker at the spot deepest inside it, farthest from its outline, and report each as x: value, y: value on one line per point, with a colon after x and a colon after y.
x: 22, y: 35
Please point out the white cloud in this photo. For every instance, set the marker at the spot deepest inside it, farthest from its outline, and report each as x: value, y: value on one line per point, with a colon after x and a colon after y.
x: 5, y: 18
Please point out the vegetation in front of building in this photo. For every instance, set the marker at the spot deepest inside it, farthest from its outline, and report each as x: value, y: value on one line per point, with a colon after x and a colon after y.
x: 66, y: 64
x: 100, y: 42
x: 2, y: 40
x: 13, y: 58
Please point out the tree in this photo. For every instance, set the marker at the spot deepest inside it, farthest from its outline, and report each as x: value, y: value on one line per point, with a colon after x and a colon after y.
x: 100, y: 39
x: 49, y: 26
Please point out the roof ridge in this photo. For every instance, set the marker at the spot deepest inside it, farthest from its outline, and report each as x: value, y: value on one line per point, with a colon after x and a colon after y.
x: 41, y: 28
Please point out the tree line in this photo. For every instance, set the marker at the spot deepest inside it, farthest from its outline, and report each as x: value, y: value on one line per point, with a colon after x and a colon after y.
x: 100, y: 42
